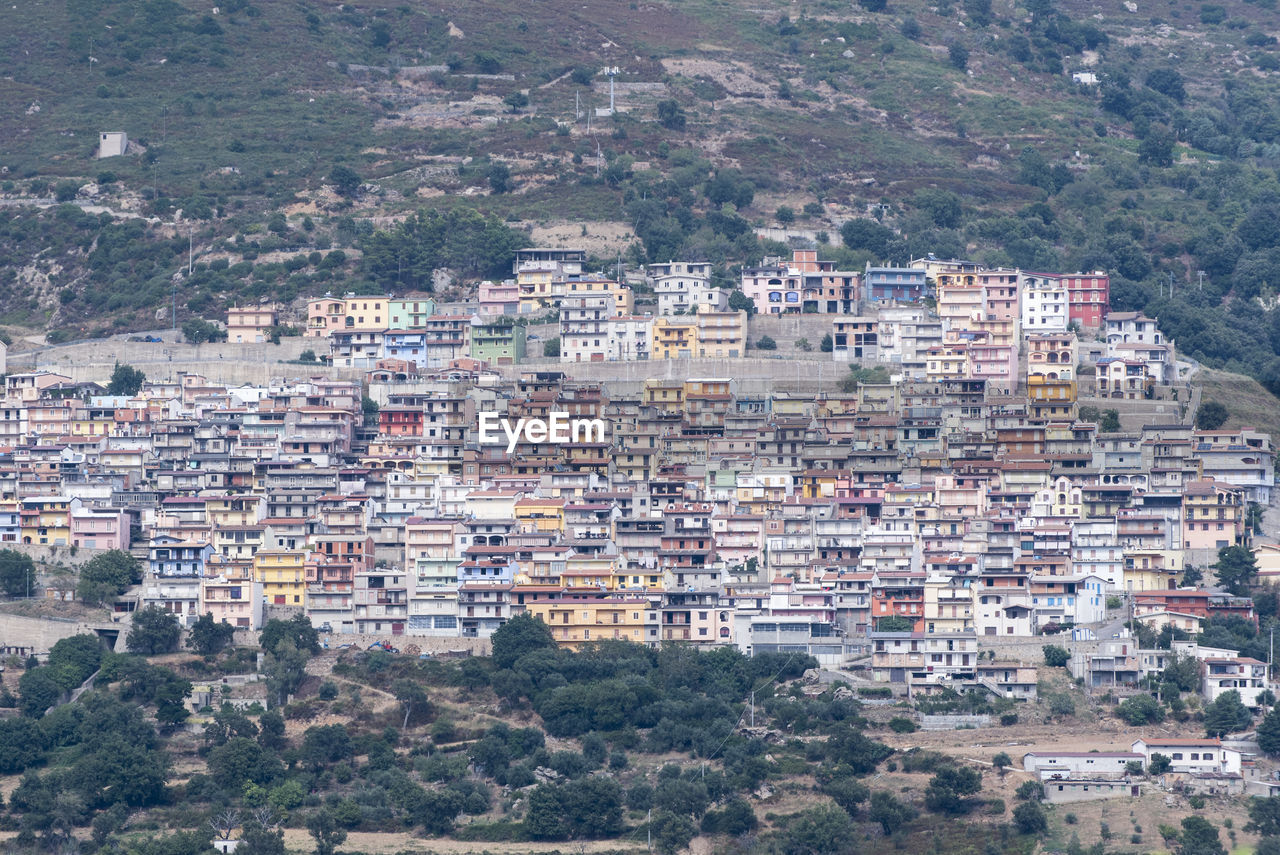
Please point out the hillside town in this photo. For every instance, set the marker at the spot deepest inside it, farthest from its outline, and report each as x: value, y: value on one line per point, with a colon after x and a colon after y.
x: 960, y: 497
x: 1010, y: 476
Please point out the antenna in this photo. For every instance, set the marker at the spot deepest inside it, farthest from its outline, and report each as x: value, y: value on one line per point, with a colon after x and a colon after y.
x: 599, y: 159
x: 610, y: 71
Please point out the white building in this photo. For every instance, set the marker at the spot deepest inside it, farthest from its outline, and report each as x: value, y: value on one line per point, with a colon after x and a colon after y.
x: 584, y: 327
x: 112, y: 144
x: 682, y: 294
x: 630, y: 338
x: 1044, y: 303
x: 1191, y: 755
x: 1238, y: 674
x: 1074, y: 764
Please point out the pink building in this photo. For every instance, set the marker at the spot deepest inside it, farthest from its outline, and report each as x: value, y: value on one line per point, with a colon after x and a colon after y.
x: 100, y: 528
x: 1001, y: 298
x: 325, y: 315
x: 499, y: 298
x: 236, y: 601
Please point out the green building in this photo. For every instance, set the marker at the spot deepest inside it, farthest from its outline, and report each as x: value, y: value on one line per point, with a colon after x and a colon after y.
x: 497, y: 343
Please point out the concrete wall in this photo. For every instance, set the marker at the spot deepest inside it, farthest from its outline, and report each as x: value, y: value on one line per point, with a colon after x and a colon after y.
x: 753, y: 375
x: 42, y: 633
x: 953, y: 722
x: 227, y: 363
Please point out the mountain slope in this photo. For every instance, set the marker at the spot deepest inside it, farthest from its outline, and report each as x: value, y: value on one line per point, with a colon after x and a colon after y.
x: 958, y: 124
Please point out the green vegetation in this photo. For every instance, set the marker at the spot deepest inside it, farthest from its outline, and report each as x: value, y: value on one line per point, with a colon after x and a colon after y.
x: 17, y: 573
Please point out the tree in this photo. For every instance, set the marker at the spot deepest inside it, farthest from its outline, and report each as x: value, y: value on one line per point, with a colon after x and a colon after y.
x: 522, y: 634
x: 949, y: 786
x: 286, y: 669
x: 72, y: 660
x: 39, y: 691
x: 296, y: 629
x: 198, y: 331
x: 671, y: 832
x: 1264, y: 817
x: 108, y: 575
x: 866, y: 235
x: 891, y: 813
x: 551, y: 348
x: 1227, y: 714
x: 1236, y: 569
x: 1211, y: 415
x: 1029, y: 817
x: 1109, y: 422
x: 819, y: 831
x: 1001, y: 762
x: 1269, y: 733
x: 409, y: 694
x: 22, y: 744
x: 958, y: 56
x: 208, y: 636
x: 307, y: 356
x: 17, y: 573
x: 740, y: 302
x: 785, y: 215
x: 766, y: 343
x: 826, y: 344
x: 1055, y: 656
x: 1139, y: 710
x: 517, y: 101
x: 1199, y: 837
x: 1156, y: 147
x: 1159, y: 764
x: 345, y: 181
x: 126, y: 380
x: 324, y: 829
x: 671, y: 114
x: 499, y: 177
x: 152, y: 631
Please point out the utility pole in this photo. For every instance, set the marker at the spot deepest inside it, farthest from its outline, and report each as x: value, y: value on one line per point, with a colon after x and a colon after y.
x: 649, y: 829
x: 1200, y: 273
x: 190, y: 247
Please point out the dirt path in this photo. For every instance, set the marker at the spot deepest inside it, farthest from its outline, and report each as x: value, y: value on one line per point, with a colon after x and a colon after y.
x: 389, y: 843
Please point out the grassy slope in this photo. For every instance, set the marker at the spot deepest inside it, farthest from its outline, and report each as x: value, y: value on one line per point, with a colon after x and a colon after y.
x: 1250, y: 405
x: 253, y: 107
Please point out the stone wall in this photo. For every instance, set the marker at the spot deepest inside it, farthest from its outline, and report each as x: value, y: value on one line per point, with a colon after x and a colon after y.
x: 40, y: 634
x: 953, y: 722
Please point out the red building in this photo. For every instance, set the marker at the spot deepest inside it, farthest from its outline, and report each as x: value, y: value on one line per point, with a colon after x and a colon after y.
x: 1088, y: 297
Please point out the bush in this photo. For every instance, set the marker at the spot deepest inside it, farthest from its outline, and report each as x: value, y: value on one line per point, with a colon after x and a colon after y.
x: 766, y: 343
x: 1029, y: 790
x: 899, y: 724
x: 1009, y: 719
x: 1030, y: 819
x: 1055, y: 656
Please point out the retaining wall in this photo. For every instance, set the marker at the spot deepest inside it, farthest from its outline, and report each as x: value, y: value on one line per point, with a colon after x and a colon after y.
x: 953, y: 722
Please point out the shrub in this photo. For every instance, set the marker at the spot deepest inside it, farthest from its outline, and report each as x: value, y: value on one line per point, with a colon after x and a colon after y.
x: 766, y: 343
x: 899, y: 724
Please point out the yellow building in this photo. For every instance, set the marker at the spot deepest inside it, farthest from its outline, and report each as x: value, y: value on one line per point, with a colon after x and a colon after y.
x: 535, y: 287
x: 575, y: 623
x: 540, y: 514
x: 623, y: 299
x: 282, y: 576
x: 721, y: 335
x: 46, y: 520
x: 947, y: 361
x: 665, y: 395
x: 674, y: 338
x: 229, y: 510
